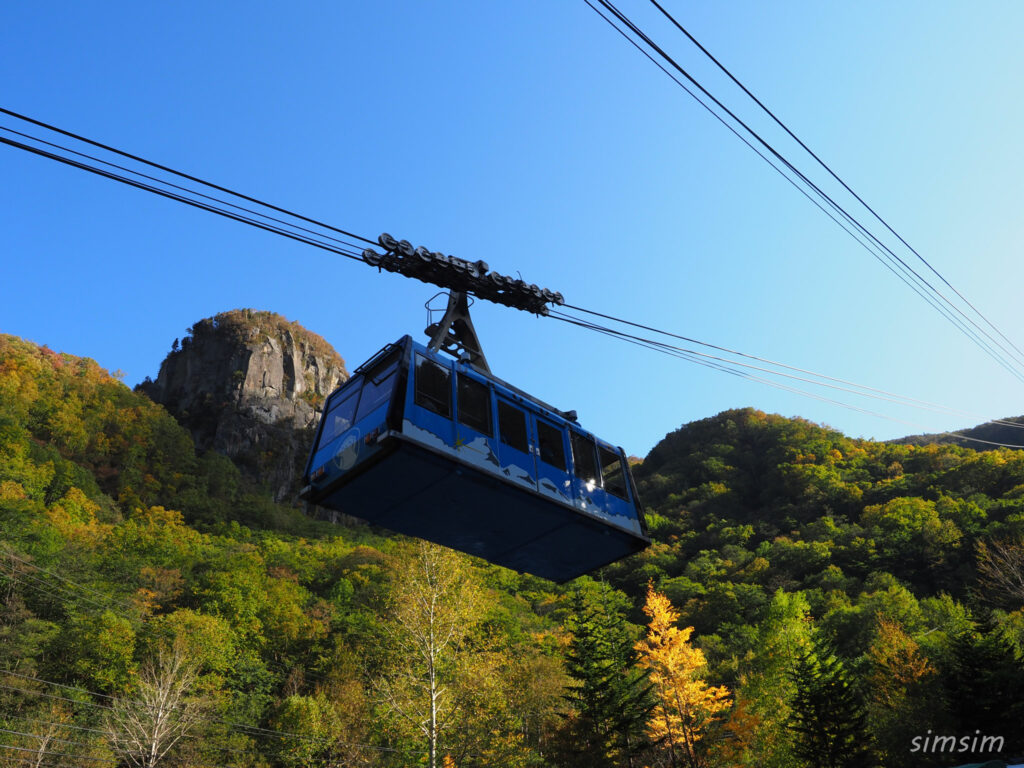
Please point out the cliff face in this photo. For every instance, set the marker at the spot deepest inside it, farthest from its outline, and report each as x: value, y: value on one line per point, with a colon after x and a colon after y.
x: 250, y: 385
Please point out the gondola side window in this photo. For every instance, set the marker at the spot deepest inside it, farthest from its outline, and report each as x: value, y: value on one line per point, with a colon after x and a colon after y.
x: 512, y: 427
x: 552, y: 448
x: 474, y: 404
x: 340, y: 416
x: 378, y: 386
x: 433, y: 387
x: 613, y: 473
x: 584, y: 458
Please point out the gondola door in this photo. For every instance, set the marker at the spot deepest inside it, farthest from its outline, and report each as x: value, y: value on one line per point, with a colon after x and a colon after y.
x: 515, y: 444
x: 553, y: 478
x: 474, y: 428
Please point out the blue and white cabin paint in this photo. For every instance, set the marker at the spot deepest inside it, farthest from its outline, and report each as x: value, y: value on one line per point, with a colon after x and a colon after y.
x: 425, y: 445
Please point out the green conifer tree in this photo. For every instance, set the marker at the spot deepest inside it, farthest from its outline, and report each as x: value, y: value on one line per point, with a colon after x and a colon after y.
x: 612, y: 699
x: 828, y: 716
x: 984, y: 683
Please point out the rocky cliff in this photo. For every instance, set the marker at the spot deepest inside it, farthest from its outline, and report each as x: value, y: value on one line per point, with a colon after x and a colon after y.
x: 250, y: 385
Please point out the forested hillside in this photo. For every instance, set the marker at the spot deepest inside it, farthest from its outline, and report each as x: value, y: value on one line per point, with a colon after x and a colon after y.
x: 1001, y: 433
x: 809, y: 600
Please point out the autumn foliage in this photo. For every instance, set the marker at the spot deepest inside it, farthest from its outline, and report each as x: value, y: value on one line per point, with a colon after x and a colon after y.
x: 687, y: 706
x: 303, y: 643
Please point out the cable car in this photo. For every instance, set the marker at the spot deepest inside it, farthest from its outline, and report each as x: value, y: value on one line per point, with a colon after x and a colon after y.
x: 439, y: 448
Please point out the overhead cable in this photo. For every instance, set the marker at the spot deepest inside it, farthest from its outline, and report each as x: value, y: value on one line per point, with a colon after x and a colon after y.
x: 300, y: 233
x: 182, y: 199
x: 1003, y: 357
x: 735, y: 368
x: 180, y: 174
x: 832, y: 173
x: 843, y: 222
x: 828, y: 381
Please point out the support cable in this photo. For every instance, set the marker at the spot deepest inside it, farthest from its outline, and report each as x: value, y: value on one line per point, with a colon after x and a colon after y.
x: 310, y: 237
x: 903, y: 265
x: 832, y: 173
x: 729, y: 367
x: 180, y: 174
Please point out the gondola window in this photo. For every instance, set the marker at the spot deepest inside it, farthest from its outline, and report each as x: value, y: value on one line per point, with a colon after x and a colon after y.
x: 512, y: 427
x: 612, y: 472
x: 475, y: 405
x: 378, y: 387
x: 552, y: 449
x: 340, y: 417
x: 433, y: 387
x: 583, y: 458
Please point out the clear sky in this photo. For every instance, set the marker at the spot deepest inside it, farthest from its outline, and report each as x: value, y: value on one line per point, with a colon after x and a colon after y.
x: 529, y: 134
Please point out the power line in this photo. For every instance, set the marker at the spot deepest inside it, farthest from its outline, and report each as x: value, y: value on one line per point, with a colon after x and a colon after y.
x: 40, y: 586
x: 92, y: 705
x: 69, y: 726
x: 870, y: 247
x: 242, y: 728
x: 279, y: 230
x: 683, y: 355
x: 401, y: 256
x: 59, y: 754
x: 107, y: 598
x: 50, y: 738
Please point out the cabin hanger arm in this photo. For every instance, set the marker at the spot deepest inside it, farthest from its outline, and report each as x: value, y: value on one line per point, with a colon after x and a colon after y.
x: 456, y: 335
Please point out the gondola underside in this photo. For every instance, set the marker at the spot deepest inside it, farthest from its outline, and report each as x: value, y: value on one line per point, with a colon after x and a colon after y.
x: 413, y: 490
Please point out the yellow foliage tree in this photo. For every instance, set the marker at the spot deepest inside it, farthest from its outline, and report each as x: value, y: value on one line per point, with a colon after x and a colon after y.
x: 687, y: 705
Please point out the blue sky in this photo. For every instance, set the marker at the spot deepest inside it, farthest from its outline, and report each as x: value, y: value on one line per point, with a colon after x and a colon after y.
x: 532, y: 136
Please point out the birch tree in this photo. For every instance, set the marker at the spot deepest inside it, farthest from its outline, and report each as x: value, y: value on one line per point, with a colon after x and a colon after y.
x: 434, y: 603
x: 147, y: 723
x: 1001, y: 570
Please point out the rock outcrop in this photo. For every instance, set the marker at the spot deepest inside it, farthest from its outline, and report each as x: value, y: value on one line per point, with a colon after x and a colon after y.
x: 250, y: 385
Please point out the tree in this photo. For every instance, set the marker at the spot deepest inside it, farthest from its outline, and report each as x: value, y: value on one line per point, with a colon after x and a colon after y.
x: 687, y: 705
x: 326, y: 734
x: 1001, y: 570
x: 984, y: 680
x: 147, y: 723
x: 434, y: 603
x: 828, y: 716
x: 612, y: 697
x: 53, y: 729
x: 903, y: 697
x: 765, y: 676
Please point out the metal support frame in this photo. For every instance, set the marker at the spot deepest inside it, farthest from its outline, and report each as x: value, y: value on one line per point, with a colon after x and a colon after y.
x: 456, y: 335
x: 457, y: 274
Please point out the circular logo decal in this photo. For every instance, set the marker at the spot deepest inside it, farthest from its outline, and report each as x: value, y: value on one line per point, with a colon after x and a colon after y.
x: 347, y: 454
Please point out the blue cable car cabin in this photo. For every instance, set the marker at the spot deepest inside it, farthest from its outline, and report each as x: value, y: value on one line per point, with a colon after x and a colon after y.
x: 429, y: 446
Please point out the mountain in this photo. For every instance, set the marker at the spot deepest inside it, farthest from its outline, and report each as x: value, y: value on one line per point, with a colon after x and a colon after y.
x: 248, y: 384
x: 817, y: 509
x: 984, y: 436
x: 789, y: 548
x: 134, y: 566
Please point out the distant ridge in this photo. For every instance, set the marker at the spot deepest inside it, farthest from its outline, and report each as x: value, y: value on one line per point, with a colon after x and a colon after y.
x: 993, y: 433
